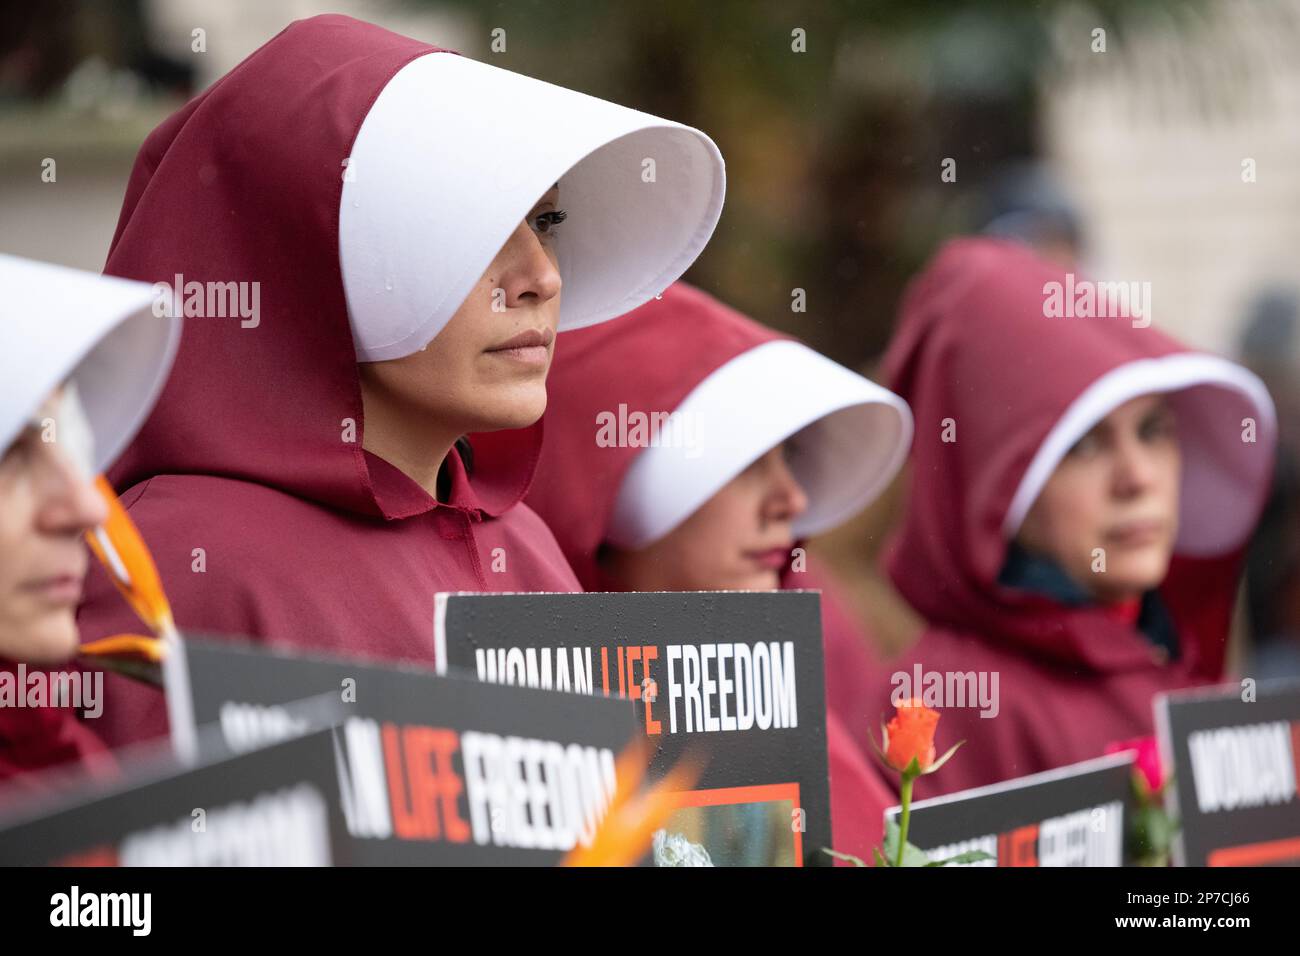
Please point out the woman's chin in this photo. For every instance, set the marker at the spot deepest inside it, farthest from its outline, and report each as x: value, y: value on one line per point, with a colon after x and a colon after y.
x: 520, y: 410
x: 1132, y: 580
x: 48, y: 641
x: 758, y: 581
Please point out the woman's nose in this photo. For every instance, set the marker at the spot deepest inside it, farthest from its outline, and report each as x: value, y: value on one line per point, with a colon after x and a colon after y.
x: 70, y: 503
x: 1135, y: 468
x: 789, y: 496
x: 529, y: 275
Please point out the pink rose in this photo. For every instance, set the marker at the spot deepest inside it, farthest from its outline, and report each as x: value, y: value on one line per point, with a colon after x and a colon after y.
x: 1147, y: 761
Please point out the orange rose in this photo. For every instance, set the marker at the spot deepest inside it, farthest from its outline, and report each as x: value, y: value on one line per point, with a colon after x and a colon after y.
x: 911, y: 734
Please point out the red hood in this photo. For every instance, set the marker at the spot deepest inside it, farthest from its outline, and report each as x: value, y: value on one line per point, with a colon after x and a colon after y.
x: 734, y: 390
x: 974, y: 345
x: 260, y: 203
x: 643, y: 362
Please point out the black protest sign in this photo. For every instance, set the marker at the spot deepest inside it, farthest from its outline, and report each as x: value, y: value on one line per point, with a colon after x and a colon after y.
x: 432, y: 770
x: 734, y: 676
x: 1234, y: 752
x: 1070, y: 816
x: 278, y: 806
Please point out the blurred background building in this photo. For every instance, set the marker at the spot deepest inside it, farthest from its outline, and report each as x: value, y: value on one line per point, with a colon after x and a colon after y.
x: 1148, y: 140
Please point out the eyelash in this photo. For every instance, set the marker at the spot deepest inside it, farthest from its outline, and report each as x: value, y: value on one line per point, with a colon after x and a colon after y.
x: 545, y: 223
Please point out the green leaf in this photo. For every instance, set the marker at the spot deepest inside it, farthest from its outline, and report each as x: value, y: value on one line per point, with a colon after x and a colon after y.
x: 880, y: 860
x: 970, y: 856
x: 147, y: 672
x: 944, y: 759
x: 849, y: 857
x: 1140, y: 787
x: 884, y: 745
x: 912, y: 855
x: 1151, y: 830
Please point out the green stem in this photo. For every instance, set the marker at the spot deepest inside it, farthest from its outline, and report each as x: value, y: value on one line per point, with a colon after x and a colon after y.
x: 905, y: 796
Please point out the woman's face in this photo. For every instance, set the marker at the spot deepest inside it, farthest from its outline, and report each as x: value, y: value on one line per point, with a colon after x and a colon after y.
x: 486, y: 370
x: 46, y: 506
x: 1112, y: 503
x: 740, y: 539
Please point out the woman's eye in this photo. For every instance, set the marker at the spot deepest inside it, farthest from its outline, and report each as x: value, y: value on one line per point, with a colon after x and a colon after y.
x: 1087, y: 445
x: 1156, y: 429
x: 546, y: 222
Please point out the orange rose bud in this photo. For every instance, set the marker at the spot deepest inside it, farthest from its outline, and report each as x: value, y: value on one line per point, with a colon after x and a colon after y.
x: 911, y: 734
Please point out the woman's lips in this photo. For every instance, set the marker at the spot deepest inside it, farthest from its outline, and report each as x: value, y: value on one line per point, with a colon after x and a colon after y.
x: 1136, y: 534
x: 57, y: 589
x: 530, y: 347
x: 773, y: 559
